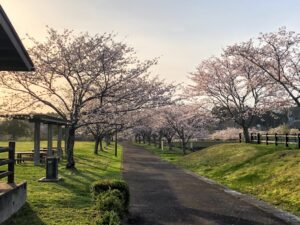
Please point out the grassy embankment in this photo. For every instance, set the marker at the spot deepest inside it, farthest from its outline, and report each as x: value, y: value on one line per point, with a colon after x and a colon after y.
x: 67, y: 201
x: 268, y: 172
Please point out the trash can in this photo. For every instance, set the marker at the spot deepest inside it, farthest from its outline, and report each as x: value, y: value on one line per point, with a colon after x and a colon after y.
x: 52, y: 168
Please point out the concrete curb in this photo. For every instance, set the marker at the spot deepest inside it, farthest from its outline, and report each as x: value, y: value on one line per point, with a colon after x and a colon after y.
x: 270, y: 209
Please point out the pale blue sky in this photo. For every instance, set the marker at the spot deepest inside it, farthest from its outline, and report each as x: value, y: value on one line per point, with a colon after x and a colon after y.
x: 181, y: 32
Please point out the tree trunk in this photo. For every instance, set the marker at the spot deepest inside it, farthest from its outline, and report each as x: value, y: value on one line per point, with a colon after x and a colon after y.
x: 97, y: 140
x: 183, y: 145
x: 169, y: 143
x: 159, y: 142
x: 70, y: 148
x: 154, y: 140
x: 107, y: 140
x: 246, y: 134
x: 100, y: 142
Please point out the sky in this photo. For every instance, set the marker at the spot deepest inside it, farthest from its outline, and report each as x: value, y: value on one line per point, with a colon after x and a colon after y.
x: 180, y: 32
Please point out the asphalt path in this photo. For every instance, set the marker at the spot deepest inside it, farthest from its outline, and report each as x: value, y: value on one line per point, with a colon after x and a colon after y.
x: 162, y: 194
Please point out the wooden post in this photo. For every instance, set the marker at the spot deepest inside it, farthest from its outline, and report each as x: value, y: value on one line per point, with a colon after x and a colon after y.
x: 37, y: 143
x: 267, y: 139
x: 276, y: 139
x: 11, y: 164
x: 116, y: 141
x: 162, y: 145
x: 59, y: 140
x: 258, y: 138
x: 49, y: 141
x: 66, y: 139
x: 240, y: 137
x: 286, y: 140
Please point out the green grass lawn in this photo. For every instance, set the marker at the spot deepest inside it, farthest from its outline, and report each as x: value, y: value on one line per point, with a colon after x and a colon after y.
x: 67, y: 201
x: 268, y: 172
x: 173, y: 155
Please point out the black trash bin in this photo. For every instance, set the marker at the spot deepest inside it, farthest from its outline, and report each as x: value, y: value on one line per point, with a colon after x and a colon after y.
x: 52, y: 168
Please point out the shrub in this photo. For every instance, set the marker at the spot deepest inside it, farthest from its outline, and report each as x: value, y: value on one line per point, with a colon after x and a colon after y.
x: 99, y: 187
x: 110, y: 201
x: 283, y: 129
x: 107, y: 218
x: 294, y: 131
x: 230, y: 133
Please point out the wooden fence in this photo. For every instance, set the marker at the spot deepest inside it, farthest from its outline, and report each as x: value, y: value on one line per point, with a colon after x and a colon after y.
x: 286, y: 139
x: 9, y: 161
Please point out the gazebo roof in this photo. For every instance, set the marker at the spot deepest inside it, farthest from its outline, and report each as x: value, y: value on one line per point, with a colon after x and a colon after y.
x: 42, y: 118
x: 13, y: 55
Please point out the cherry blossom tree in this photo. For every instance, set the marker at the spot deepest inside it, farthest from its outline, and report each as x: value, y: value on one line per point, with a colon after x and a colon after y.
x: 174, y: 121
x: 74, y: 70
x: 234, y: 85
x: 277, y: 54
x: 123, y: 106
x: 187, y: 121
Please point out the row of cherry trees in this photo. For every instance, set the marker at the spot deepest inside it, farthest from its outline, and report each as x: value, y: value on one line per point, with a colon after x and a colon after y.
x: 93, y: 81
x: 249, y: 78
x: 180, y: 121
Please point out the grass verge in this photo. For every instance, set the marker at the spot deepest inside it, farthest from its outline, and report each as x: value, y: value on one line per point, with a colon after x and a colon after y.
x: 271, y: 173
x: 68, y: 201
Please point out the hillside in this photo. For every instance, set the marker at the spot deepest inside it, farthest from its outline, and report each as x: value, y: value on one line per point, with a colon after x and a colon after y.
x: 268, y: 172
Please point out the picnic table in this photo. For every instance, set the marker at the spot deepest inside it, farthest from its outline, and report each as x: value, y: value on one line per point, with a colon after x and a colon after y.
x: 28, y: 156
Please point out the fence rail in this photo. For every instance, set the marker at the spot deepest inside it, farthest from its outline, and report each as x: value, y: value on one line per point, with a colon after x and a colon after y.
x: 9, y: 161
x: 286, y: 139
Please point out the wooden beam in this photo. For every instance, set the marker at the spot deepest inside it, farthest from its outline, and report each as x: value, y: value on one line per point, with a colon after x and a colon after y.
x: 11, y: 165
x: 66, y: 139
x: 49, y: 142
x: 59, y: 140
x: 37, y: 143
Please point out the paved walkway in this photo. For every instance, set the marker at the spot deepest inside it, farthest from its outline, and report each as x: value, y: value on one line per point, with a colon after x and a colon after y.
x: 163, y: 194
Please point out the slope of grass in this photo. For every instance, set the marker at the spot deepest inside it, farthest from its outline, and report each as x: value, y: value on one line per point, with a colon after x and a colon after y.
x: 67, y: 201
x: 270, y: 173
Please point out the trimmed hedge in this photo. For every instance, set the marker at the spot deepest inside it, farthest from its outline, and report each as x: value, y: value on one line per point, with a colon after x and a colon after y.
x: 111, y: 200
x: 99, y: 187
x: 107, y: 218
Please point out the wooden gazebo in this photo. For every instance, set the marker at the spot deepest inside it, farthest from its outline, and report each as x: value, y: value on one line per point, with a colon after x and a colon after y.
x: 50, y: 121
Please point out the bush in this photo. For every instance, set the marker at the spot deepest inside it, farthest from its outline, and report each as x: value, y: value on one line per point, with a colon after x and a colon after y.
x: 227, y: 134
x: 99, y: 187
x: 108, y: 218
x: 230, y: 133
x: 294, y: 131
x: 111, y: 200
x: 283, y: 129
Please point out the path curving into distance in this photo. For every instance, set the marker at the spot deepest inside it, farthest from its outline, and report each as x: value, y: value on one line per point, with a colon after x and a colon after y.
x: 162, y: 194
